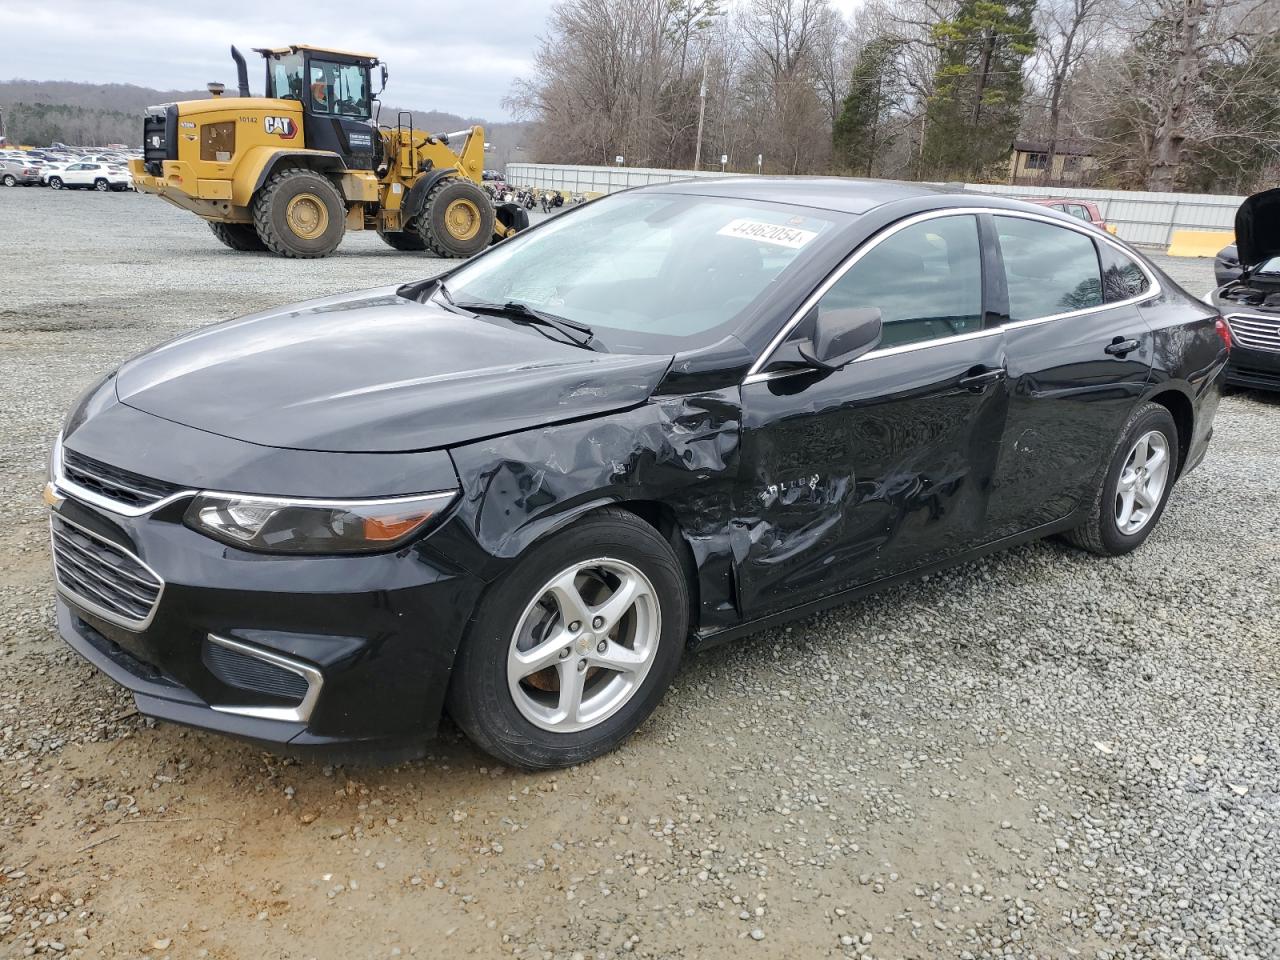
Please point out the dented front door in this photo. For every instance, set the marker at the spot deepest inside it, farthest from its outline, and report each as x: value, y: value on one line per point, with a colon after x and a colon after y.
x: 856, y: 475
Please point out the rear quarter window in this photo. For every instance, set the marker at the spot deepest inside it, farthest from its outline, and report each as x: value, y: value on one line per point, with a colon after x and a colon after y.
x: 1122, y: 278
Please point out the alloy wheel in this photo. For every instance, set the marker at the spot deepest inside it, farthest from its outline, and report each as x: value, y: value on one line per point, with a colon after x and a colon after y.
x: 1142, y: 481
x: 583, y: 645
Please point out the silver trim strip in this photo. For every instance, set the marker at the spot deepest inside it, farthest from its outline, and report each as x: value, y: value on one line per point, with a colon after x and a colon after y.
x: 299, y: 714
x: 755, y: 376
x: 111, y: 616
x: 1248, y: 338
x: 61, y: 484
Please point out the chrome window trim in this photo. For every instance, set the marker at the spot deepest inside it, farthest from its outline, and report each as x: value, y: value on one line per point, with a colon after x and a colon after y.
x: 754, y: 374
x: 299, y: 714
x: 111, y: 616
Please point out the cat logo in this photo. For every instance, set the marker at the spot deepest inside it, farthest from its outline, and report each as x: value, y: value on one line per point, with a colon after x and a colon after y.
x: 283, y: 127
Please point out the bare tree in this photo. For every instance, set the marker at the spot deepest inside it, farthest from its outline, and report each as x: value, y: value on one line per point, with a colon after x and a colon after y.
x: 1069, y: 32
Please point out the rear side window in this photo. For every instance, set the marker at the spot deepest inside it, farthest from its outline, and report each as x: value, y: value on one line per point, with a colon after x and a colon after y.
x: 1122, y: 278
x: 926, y: 279
x: 1049, y: 269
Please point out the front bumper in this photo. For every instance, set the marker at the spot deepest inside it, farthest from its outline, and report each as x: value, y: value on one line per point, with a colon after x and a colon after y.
x: 352, y: 652
x: 1257, y: 369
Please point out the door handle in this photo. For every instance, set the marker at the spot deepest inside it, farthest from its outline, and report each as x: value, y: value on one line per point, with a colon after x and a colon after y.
x: 1119, y: 347
x: 980, y: 378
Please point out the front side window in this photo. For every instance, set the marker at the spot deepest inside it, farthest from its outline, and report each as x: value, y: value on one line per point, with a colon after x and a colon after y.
x: 286, y: 77
x: 650, y: 273
x: 1049, y: 269
x: 339, y: 89
x: 926, y: 280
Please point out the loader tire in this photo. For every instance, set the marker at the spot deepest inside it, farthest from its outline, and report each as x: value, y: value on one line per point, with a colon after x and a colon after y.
x: 403, y: 240
x: 456, y: 219
x: 299, y: 214
x: 238, y: 236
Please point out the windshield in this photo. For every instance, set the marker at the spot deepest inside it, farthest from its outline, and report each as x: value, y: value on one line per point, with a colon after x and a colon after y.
x: 648, y: 272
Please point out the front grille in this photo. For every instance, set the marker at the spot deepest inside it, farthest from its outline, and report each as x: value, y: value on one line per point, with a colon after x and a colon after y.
x: 1257, y: 333
x: 246, y: 672
x: 122, y: 486
x: 103, y: 577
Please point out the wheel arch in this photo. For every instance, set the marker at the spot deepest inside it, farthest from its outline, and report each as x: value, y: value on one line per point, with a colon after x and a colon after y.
x: 260, y: 163
x: 1182, y: 409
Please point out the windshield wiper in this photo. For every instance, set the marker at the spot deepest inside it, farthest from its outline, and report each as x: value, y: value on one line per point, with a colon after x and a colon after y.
x: 578, y: 334
x: 449, y: 302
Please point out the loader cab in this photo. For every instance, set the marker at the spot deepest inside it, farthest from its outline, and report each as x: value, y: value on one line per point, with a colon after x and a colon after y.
x: 337, y: 99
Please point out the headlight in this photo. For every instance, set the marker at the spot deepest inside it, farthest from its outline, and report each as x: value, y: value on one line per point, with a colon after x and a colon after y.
x: 273, y: 525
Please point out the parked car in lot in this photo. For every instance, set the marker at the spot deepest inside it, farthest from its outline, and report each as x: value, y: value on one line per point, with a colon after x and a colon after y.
x: 1085, y: 210
x: 1249, y: 295
x: 90, y: 176
x: 19, y: 173
x: 667, y: 418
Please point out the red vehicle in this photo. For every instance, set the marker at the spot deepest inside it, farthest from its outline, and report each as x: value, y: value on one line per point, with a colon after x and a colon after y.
x: 1085, y: 210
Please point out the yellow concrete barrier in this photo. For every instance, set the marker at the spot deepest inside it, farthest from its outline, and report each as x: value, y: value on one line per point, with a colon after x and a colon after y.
x: 1199, y: 243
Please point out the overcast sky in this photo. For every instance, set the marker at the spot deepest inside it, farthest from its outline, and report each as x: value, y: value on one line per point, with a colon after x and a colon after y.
x: 455, y: 55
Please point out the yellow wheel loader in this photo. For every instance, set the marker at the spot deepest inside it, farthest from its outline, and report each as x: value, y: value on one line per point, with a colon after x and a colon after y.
x: 292, y: 171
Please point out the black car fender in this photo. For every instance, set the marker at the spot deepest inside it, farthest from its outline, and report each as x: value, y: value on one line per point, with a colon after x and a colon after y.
x: 677, y: 455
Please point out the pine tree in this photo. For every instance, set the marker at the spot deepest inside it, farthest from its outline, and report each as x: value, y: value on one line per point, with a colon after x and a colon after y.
x: 978, y: 87
x: 858, y: 135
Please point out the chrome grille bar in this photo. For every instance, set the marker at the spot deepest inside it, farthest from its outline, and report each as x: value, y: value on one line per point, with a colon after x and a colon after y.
x: 102, y: 577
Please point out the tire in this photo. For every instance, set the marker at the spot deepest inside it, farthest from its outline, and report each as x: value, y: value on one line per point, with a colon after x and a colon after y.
x: 299, y: 214
x: 456, y: 219
x: 55, y: 183
x: 403, y: 240
x: 238, y: 236
x: 101, y: 185
x: 10, y: 180
x: 482, y: 696
x: 1103, y: 533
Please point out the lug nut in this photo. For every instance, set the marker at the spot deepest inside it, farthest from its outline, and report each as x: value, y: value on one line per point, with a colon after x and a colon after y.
x: 564, y: 653
x: 582, y: 665
x: 575, y: 626
x: 602, y: 646
x: 598, y: 622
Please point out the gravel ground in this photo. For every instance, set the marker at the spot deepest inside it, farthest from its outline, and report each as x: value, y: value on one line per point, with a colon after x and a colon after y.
x: 1042, y: 754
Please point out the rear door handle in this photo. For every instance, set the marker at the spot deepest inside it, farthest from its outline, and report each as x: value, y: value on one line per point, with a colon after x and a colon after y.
x: 980, y: 378
x: 1119, y: 347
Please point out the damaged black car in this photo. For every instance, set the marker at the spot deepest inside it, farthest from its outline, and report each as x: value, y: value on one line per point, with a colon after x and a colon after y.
x: 1249, y: 297
x: 520, y: 492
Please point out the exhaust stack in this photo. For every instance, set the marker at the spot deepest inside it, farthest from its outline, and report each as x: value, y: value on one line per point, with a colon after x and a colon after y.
x: 242, y: 71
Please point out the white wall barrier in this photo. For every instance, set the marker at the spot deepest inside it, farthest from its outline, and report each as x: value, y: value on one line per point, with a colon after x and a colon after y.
x: 1148, y: 219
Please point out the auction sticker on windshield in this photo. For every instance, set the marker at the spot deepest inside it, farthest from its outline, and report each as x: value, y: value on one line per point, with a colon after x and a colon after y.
x: 764, y: 232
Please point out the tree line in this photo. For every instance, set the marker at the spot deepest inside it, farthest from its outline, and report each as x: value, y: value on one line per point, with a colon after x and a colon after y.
x: 1164, y: 94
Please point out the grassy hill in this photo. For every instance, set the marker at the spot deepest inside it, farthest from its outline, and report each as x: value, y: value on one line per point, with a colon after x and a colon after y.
x: 38, y: 112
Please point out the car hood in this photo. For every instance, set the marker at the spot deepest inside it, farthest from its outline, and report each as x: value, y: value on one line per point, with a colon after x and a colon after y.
x: 1258, y: 227
x: 373, y: 372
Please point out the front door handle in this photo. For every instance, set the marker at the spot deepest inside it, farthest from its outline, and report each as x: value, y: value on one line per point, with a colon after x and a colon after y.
x: 979, y: 378
x: 1119, y: 347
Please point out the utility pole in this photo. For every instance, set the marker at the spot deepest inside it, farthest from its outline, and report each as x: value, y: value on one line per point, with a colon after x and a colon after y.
x: 702, y: 111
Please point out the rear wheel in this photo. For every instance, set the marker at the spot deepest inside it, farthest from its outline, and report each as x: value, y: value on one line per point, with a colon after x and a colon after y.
x: 1136, y: 487
x: 299, y: 214
x: 456, y: 219
x: 101, y: 185
x: 238, y: 236
x: 55, y: 182
x: 10, y: 180
x: 403, y: 240
x: 574, y: 647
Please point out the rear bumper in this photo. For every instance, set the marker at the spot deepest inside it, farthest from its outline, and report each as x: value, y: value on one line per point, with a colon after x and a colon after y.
x: 179, y: 185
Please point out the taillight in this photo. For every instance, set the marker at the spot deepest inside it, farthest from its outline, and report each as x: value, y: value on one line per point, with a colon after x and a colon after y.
x: 1224, y: 332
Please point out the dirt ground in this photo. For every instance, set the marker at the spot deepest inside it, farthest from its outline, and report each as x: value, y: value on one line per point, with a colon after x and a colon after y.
x: 1039, y: 755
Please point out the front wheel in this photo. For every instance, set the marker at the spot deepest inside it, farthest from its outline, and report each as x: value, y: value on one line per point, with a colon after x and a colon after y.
x: 10, y: 180
x: 1136, y: 486
x: 574, y: 647
x: 456, y: 219
x: 55, y: 182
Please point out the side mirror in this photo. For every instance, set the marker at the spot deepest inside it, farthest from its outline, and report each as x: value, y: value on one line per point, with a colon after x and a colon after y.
x: 841, y: 336
x: 384, y: 79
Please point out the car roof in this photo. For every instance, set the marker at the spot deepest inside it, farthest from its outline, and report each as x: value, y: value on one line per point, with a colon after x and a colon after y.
x: 827, y: 193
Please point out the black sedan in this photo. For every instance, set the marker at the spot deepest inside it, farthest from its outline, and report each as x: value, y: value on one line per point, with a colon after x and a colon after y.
x: 1249, y: 295
x: 663, y: 420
